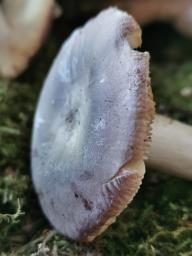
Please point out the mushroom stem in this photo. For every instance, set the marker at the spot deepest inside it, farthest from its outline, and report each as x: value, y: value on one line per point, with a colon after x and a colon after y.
x: 171, y: 147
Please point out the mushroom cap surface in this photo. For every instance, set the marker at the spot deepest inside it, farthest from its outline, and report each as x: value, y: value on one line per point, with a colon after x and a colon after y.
x: 92, y: 126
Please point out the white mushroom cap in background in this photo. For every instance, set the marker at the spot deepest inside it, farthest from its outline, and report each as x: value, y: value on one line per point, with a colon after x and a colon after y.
x: 176, y: 12
x: 23, y: 26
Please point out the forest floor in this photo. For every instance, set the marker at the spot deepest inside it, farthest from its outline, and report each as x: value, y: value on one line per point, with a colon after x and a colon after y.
x: 159, y: 220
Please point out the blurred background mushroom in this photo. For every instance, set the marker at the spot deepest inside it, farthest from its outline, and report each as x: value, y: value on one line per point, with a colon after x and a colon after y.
x: 176, y: 12
x: 23, y: 27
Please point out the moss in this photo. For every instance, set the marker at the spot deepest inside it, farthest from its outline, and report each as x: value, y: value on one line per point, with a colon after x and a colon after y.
x: 159, y: 220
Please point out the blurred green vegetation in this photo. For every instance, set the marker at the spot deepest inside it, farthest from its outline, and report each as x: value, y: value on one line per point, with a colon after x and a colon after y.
x: 158, y: 221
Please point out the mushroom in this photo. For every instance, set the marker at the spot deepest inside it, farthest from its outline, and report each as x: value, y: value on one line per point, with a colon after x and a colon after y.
x: 23, y: 26
x: 92, y: 126
x: 177, y: 12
